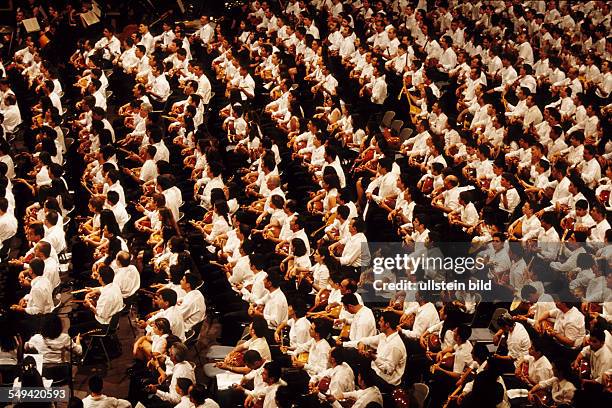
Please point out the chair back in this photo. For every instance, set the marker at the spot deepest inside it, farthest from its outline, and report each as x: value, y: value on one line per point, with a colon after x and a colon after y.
x: 387, y: 118
x: 420, y: 394
x: 405, y: 134
x: 396, y: 126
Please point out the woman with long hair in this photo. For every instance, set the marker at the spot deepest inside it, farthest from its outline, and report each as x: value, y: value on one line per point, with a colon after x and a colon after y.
x: 54, y: 345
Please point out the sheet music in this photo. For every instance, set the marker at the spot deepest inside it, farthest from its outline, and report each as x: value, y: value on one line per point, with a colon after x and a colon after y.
x: 31, y: 25
x: 89, y: 18
x: 226, y: 380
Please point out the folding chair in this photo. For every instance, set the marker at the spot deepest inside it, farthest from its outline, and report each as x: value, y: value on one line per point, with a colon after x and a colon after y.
x: 110, y: 333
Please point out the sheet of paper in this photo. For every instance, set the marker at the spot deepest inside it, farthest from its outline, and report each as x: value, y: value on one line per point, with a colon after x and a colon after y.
x: 31, y: 25
x: 226, y: 380
x: 89, y: 18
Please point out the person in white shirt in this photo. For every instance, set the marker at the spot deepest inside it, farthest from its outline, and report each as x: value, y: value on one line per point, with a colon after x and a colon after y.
x: 340, y: 374
x: 98, y: 314
x: 535, y: 367
x: 569, y: 327
x: 183, y: 385
x: 96, y: 399
x: 11, y: 112
x: 127, y: 276
x: 444, y: 374
x: 159, y: 89
x: 562, y: 390
x: 368, y: 392
x: 517, y: 340
x: 317, y: 348
x: 109, y: 44
x: 389, y: 359
x: 354, y: 253
x: 192, y: 307
x: 275, y: 308
x: 42, y: 250
x: 426, y: 316
x: 182, y: 369
x: 361, y: 321
x: 598, y: 354
x: 205, y: 33
x: 39, y: 301
x: 8, y: 222
x: 118, y: 209
x: 198, y: 396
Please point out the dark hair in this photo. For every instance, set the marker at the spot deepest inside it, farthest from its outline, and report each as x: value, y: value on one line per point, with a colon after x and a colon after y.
x: 168, y: 295
x: 198, y: 394
x: 273, y: 369
x: 96, y: 384
x: 52, y: 327
x: 391, y: 318
x: 184, y: 384
x: 350, y: 299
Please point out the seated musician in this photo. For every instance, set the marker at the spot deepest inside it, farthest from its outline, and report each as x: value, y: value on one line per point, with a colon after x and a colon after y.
x: 101, y: 304
x: 166, y: 300
x: 354, y: 254
x: 425, y: 317
x: 317, y: 349
x: 367, y: 394
x: 275, y: 309
x: 179, y: 368
x: 39, y: 300
x: 256, y: 342
x: 359, y: 319
x: 447, y: 372
x: 299, y: 326
x: 516, y: 340
x: 153, y: 345
x: 389, y: 355
x: 598, y: 356
x: 339, y: 376
x: 251, y: 384
x: 569, y: 326
x: 535, y: 367
x: 560, y: 388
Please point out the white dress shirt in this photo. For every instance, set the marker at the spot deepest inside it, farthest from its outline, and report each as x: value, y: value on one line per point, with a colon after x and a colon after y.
x: 539, y: 370
x: 390, y: 360
x: 39, y: 300
x: 193, y: 308
x: 109, y: 303
x: 102, y: 401
x: 175, y: 317
x: 426, y: 316
x: 128, y: 280
x: 570, y: 324
x: 362, y: 397
x: 352, y: 253
x: 276, y: 309
x: 318, y: 356
x: 342, y: 379
x: 518, y: 343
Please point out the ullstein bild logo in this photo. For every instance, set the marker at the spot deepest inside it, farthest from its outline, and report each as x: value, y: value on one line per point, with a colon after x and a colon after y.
x: 432, y: 286
x: 405, y: 262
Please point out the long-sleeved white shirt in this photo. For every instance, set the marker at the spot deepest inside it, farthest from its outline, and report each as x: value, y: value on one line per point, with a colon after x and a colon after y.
x: 276, y: 309
x: 390, y: 361
x: 193, y: 308
x: 109, y: 303
x: 39, y: 300
x: 426, y: 316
